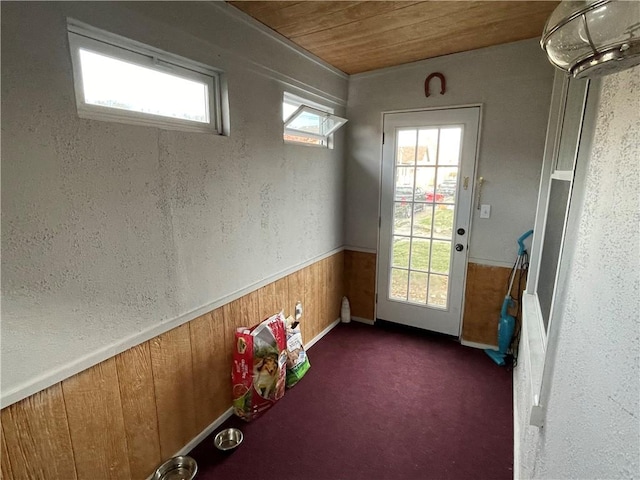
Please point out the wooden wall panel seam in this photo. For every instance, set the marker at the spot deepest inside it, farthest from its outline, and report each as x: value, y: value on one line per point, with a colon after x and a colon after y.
x: 96, y: 420
x: 6, y: 470
x: 126, y: 441
x: 360, y: 282
x: 177, y: 428
x: 212, y: 390
x: 484, y: 295
x: 66, y: 414
x: 155, y: 400
x: 142, y: 458
x: 42, y: 413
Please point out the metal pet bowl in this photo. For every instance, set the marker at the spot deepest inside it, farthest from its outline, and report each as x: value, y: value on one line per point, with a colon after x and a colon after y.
x: 177, y: 468
x: 228, y: 439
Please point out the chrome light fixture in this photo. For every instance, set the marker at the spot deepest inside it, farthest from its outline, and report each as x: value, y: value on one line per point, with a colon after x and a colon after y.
x: 590, y: 38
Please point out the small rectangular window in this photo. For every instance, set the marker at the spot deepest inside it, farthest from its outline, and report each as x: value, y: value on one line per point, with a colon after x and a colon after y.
x: 308, y: 122
x: 120, y: 80
x: 314, y: 123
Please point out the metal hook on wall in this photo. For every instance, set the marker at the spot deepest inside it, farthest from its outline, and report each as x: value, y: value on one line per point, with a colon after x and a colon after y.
x: 443, y: 83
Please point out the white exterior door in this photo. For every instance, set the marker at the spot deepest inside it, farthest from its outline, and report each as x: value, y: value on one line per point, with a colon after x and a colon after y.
x: 428, y: 170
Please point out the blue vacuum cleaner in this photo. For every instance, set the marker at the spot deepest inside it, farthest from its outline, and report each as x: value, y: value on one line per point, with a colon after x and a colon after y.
x: 507, y: 322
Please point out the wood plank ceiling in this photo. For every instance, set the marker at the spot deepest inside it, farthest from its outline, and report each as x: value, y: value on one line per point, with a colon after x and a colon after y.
x: 361, y: 36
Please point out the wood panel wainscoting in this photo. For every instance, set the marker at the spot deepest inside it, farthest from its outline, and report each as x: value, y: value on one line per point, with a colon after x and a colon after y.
x: 360, y: 283
x: 122, y: 417
x: 484, y: 295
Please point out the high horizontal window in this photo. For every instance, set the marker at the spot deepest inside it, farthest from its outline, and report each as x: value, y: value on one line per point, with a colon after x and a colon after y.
x: 120, y: 80
x: 308, y: 122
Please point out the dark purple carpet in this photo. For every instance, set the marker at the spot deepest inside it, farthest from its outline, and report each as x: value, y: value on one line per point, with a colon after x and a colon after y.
x: 379, y: 403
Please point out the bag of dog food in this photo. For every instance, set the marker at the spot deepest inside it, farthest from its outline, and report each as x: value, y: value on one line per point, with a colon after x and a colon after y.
x: 259, y: 367
x: 297, y: 359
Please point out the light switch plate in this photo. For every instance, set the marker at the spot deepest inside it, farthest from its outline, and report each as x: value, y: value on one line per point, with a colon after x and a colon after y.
x: 485, y: 211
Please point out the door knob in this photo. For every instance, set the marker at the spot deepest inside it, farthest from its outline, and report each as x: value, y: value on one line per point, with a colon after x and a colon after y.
x: 459, y: 247
x: 461, y: 231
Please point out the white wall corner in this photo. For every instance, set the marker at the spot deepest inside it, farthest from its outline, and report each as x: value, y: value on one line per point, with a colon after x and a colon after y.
x: 363, y: 320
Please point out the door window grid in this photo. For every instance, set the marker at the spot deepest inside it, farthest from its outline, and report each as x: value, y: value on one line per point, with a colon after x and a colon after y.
x: 402, y: 279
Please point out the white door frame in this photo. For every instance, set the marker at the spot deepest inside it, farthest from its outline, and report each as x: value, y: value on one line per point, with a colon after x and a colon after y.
x: 473, y: 192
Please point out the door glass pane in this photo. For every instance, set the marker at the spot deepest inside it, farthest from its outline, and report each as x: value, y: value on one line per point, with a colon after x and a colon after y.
x: 402, y: 218
x: 422, y: 221
x: 443, y: 221
x: 438, y: 290
x: 418, y: 287
x: 399, y: 284
x: 447, y: 181
x: 440, y: 257
x: 404, y: 183
x: 406, y: 154
x: 420, y: 250
x: 425, y: 184
x: 427, y: 146
x: 449, y: 148
x: 400, y: 253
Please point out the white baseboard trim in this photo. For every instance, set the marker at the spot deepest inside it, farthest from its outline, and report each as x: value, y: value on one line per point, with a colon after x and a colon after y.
x: 363, y: 320
x: 202, y: 435
x: 205, y: 433
x: 228, y: 413
x: 315, y: 339
x: 482, y: 346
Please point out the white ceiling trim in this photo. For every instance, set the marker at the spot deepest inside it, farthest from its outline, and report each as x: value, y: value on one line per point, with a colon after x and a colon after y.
x: 255, y: 24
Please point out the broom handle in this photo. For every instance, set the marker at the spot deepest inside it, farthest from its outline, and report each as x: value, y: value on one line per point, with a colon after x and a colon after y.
x: 518, y: 264
x: 521, y: 247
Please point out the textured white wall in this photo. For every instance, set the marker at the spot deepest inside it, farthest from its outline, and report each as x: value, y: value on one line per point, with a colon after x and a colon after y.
x: 109, y: 230
x: 513, y: 82
x: 592, y: 423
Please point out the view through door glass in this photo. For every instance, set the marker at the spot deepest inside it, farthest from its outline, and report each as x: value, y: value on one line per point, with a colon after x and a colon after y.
x: 425, y: 187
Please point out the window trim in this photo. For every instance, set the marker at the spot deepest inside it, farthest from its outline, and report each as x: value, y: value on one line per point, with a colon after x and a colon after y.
x: 339, y: 122
x: 300, y: 102
x: 83, y: 36
x: 538, y: 344
x: 549, y: 173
